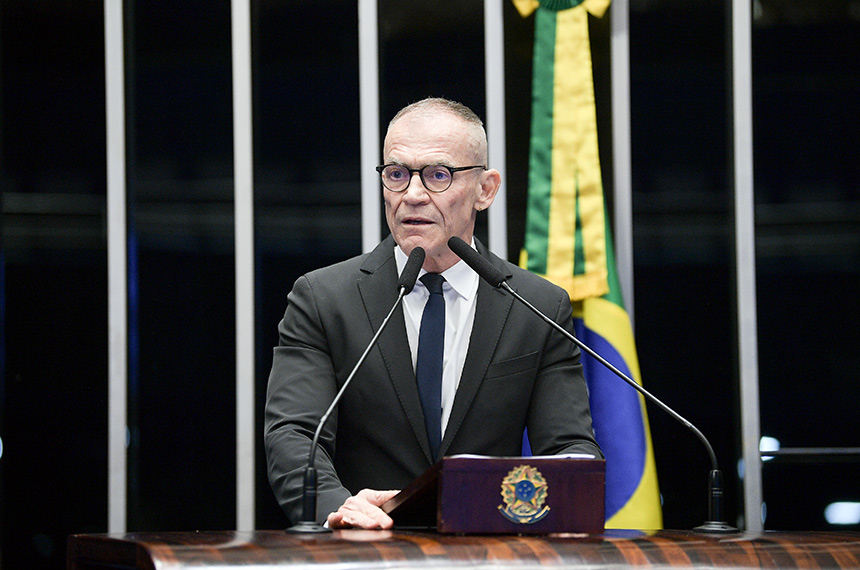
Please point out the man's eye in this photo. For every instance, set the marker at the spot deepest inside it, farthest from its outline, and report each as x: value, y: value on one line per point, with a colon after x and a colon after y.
x: 439, y: 174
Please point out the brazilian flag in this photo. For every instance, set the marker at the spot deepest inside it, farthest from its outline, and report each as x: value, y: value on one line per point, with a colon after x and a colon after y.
x: 568, y: 241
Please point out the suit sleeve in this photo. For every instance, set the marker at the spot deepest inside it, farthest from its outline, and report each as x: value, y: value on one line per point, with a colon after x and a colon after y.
x: 302, y: 384
x: 559, y: 413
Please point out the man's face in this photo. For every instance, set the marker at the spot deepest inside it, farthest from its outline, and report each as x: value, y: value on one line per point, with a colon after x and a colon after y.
x: 418, y: 217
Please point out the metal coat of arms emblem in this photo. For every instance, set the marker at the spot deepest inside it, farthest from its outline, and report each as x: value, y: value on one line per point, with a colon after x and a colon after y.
x: 524, y: 491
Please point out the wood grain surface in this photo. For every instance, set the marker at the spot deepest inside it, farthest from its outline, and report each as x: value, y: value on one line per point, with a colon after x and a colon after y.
x: 357, y: 549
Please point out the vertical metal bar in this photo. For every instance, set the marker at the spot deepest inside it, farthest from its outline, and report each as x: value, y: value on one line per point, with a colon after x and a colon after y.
x: 368, y: 79
x: 243, y: 172
x: 117, y: 261
x: 621, y: 154
x: 494, y: 56
x: 745, y: 258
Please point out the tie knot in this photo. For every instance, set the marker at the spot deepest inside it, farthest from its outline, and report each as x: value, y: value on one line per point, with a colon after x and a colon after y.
x: 433, y: 282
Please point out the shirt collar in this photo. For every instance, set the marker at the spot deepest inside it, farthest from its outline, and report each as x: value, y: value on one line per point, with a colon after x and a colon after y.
x: 460, y: 277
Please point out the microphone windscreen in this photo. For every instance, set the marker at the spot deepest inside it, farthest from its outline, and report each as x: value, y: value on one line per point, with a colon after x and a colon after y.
x: 473, y: 259
x: 411, y: 270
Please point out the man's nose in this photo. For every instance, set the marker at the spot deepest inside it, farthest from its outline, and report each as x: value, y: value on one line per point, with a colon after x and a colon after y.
x: 416, y: 185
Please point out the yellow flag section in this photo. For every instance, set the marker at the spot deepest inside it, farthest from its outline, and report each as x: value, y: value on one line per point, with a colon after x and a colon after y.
x: 564, y: 236
x: 568, y: 241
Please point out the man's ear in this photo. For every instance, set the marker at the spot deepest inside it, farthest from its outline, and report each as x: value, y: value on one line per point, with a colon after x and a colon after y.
x: 491, y: 180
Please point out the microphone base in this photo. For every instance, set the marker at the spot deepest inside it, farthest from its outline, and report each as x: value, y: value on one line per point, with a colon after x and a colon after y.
x: 307, y: 527
x: 715, y: 527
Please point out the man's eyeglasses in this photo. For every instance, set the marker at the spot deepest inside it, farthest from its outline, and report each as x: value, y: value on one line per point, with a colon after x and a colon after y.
x: 435, y: 177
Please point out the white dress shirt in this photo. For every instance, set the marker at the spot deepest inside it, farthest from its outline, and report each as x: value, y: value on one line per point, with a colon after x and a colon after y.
x: 460, y: 290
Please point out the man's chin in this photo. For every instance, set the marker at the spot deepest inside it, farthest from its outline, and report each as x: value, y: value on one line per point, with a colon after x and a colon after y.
x: 410, y: 242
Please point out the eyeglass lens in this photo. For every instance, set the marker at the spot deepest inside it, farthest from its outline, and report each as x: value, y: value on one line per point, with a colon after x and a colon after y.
x: 436, y: 177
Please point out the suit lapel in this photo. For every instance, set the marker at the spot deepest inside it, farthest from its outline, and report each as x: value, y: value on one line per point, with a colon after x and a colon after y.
x: 491, y: 312
x: 378, y: 288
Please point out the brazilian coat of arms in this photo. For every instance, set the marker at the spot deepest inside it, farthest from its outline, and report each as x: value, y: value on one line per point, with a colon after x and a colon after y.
x: 524, y: 491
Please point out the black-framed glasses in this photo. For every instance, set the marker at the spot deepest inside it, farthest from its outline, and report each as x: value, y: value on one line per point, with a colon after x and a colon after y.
x: 435, y: 177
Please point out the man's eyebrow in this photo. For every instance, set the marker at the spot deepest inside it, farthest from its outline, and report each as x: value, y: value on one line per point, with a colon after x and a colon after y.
x: 437, y: 163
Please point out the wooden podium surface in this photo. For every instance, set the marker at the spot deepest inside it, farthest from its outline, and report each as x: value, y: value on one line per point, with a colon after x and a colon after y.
x: 358, y: 549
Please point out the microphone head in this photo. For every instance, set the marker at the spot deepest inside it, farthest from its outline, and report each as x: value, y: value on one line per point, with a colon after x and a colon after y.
x: 486, y: 270
x: 411, y: 270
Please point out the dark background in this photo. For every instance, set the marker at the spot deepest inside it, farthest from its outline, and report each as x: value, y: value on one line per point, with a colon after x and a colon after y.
x: 53, y: 275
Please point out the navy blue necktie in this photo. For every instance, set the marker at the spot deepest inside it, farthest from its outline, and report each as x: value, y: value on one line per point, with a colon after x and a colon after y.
x: 431, y: 348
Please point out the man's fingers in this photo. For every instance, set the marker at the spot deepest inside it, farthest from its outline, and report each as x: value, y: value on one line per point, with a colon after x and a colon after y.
x: 347, y: 518
x: 362, y: 511
x: 376, y: 498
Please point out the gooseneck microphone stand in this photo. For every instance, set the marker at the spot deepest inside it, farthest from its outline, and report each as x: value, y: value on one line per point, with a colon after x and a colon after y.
x: 496, y: 278
x: 308, y: 523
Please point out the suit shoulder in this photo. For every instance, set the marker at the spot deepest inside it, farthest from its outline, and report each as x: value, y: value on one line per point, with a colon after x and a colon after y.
x: 345, y: 267
x: 329, y: 282
x: 354, y: 267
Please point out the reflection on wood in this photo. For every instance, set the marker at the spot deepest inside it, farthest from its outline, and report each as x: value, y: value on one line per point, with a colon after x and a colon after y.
x: 369, y: 549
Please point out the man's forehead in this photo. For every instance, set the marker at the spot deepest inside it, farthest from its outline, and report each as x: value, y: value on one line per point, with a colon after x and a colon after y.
x: 438, y: 121
x: 440, y: 132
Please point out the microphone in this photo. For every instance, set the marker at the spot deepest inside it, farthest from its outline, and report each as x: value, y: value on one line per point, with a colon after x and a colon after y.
x: 410, y: 272
x: 492, y: 275
x: 308, y: 523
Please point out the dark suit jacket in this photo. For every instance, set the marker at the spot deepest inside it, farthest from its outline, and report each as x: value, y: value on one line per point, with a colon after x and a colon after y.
x: 518, y: 373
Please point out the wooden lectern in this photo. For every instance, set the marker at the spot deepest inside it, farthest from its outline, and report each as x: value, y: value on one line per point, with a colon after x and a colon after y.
x: 468, y: 494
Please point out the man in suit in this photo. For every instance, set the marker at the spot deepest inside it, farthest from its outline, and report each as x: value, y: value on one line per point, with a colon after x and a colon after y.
x: 503, y: 369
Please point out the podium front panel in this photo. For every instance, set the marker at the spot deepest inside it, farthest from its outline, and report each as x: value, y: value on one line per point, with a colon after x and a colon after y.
x: 527, y: 495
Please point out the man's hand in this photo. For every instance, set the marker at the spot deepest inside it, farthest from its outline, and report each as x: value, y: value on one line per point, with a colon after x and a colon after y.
x: 362, y: 511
